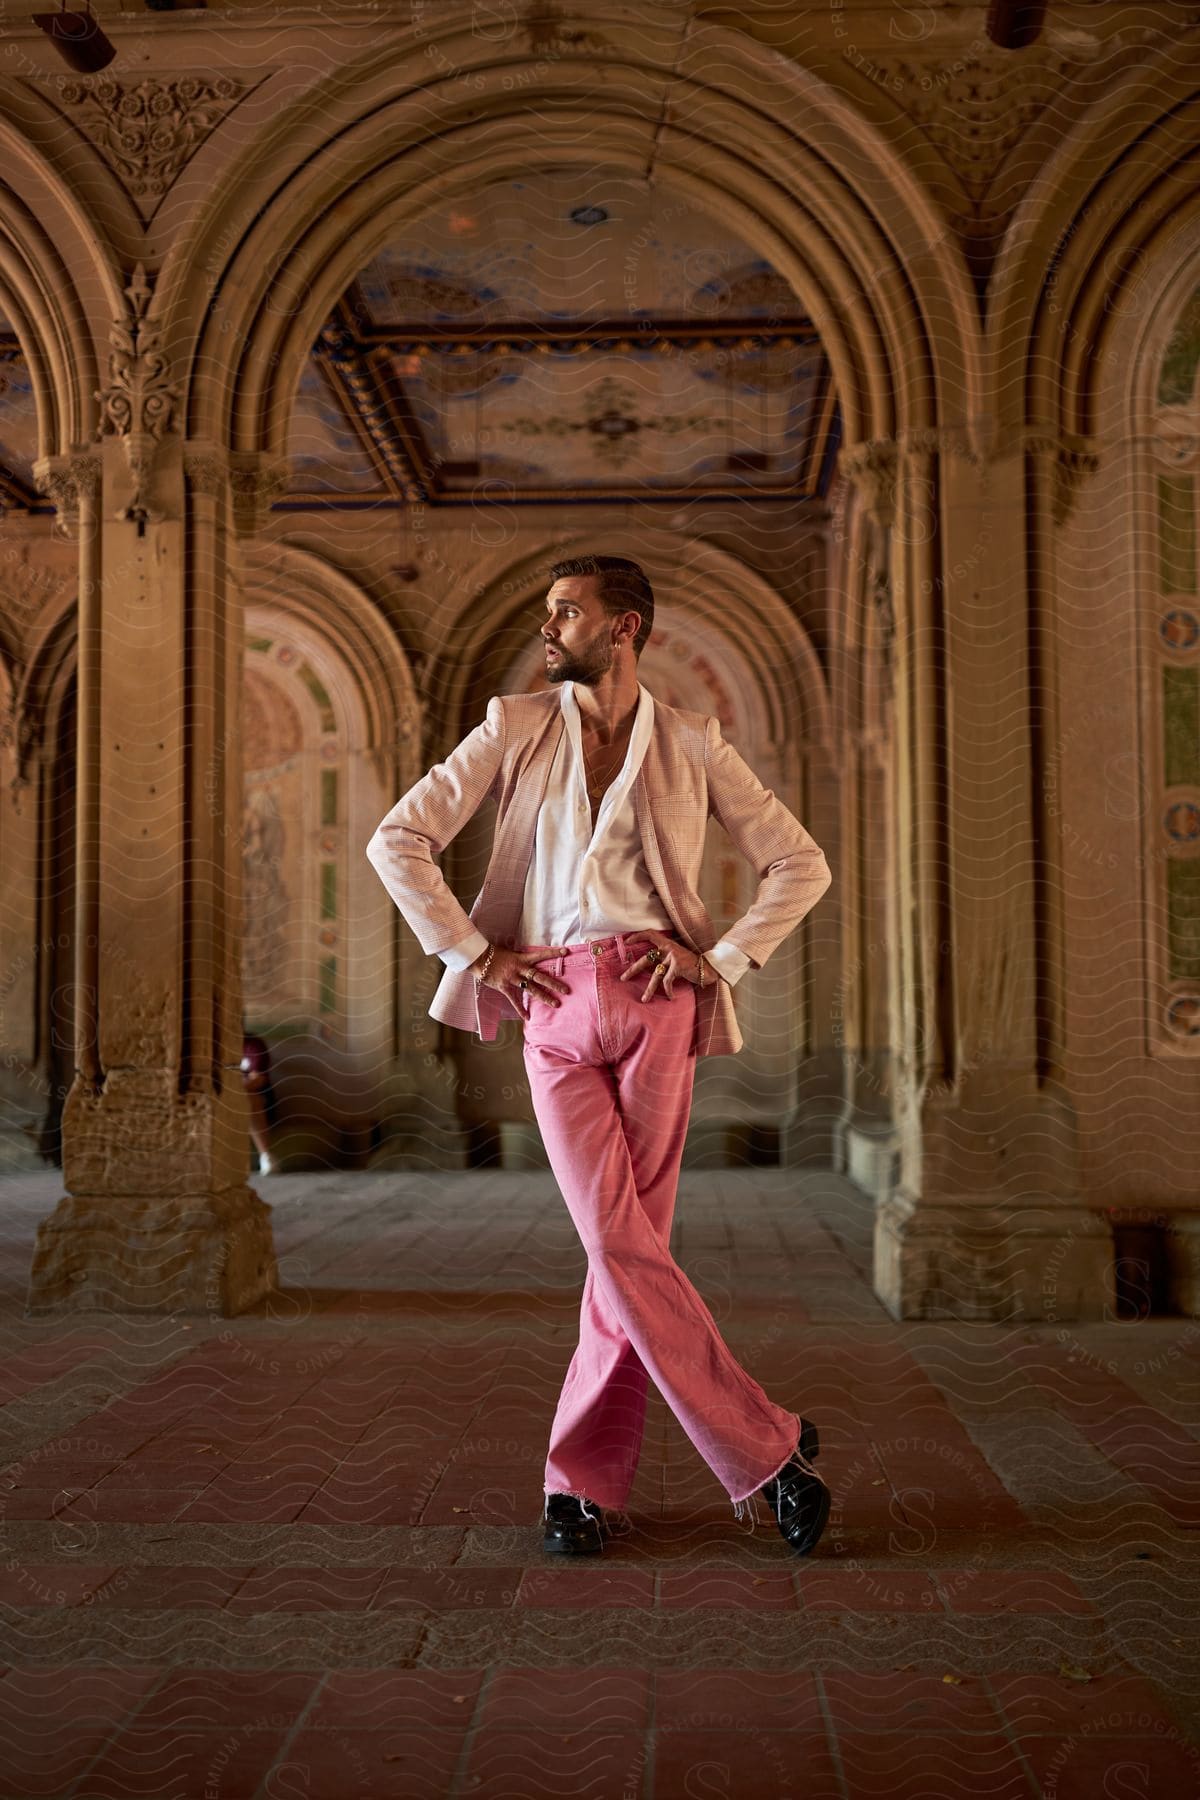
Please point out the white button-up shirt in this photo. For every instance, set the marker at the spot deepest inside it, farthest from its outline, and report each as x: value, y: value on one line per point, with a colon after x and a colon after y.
x: 588, y: 881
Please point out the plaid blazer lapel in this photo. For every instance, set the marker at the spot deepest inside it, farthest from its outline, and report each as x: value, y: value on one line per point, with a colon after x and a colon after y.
x: 503, y: 892
x: 650, y: 850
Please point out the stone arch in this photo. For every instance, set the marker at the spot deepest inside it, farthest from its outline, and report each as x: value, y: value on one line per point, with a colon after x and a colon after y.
x: 37, y: 705
x: 40, y: 685
x: 862, y: 245
x: 1058, y: 291
x: 1110, y: 218
x: 1097, y: 314
x: 329, y: 603
x: 1130, y: 401
x: 59, y: 280
x: 863, y: 249
x: 862, y: 652
x: 1156, y: 441
x: 369, y: 682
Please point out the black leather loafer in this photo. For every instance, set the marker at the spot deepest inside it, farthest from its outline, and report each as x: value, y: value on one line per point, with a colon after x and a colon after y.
x: 573, y: 1527
x: 798, y: 1497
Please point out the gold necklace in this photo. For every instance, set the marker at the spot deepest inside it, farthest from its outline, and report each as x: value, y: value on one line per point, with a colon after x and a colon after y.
x: 596, y: 786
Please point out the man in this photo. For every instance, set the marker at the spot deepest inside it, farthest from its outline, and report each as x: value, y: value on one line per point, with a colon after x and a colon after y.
x: 590, y: 928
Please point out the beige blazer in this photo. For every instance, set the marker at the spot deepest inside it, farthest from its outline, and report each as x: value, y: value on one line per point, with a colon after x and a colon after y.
x: 689, y: 771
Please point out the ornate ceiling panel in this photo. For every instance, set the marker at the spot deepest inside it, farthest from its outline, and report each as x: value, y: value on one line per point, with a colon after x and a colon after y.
x: 567, y: 336
x: 599, y: 419
x: 565, y: 244
x: 327, y: 452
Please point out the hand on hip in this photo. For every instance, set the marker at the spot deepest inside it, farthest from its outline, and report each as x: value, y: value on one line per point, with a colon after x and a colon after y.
x: 515, y: 972
x: 667, y: 962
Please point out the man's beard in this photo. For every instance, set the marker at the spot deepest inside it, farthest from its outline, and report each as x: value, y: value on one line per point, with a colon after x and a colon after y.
x: 586, y: 666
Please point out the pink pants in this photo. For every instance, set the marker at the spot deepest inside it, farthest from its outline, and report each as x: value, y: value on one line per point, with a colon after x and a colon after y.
x: 611, y: 1083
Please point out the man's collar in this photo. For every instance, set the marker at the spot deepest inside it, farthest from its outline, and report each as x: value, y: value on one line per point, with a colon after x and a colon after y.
x: 570, y: 705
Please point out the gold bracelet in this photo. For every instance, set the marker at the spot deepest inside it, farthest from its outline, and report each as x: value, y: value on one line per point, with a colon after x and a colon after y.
x: 487, y: 963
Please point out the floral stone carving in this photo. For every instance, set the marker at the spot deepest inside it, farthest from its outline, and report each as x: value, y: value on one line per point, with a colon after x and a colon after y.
x: 147, y: 130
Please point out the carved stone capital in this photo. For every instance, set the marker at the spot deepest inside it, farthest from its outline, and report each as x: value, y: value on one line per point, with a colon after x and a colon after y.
x: 1070, y: 461
x: 872, y: 468
x: 256, y: 483
x: 875, y: 467
x: 67, y: 481
x: 207, y: 471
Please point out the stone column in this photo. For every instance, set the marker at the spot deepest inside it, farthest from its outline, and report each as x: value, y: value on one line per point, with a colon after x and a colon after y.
x: 157, y: 1215
x: 865, y: 1135
x: 425, y: 1086
x: 807, y: 1133
x: 27, y: 951
x: 988, y: 1220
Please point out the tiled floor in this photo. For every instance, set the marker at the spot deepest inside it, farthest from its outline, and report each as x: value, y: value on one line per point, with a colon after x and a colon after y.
x: 298, y: 1553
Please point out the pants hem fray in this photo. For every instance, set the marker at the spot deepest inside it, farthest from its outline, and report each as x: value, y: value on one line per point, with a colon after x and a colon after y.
x: 585, y: 1500
x: 738, y: 1501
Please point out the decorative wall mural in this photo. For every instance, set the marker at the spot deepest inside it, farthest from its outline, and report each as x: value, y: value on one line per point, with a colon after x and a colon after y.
x: 265, y: 903
x: 1177, y: 376
x: 293, y: 853
x: 271, y: 728
x: 1174, y: 693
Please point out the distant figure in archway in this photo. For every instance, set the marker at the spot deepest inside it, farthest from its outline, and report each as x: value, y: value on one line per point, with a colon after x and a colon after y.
x: 590, y: 929
x: 256, y: 1079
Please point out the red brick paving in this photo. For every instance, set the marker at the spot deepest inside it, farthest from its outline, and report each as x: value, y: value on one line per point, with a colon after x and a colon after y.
x: 867, y: 1590
x: 279, y: 1589
x: 728, y: 1587
x: 563, y: 1583
x: 448, y: 1590
x: 49, y: 1584
x: 1081, y: 1768
x: 271, y: 1435
x: 910, y: 1702
x: 402, y: 1762
x: 756, y: 1761
x: 1039, y: 1591
x: 170, y: 1763
x: 380, y: 1699
x: 903, y: 1765
x: 699, y: 1699
x: 558, y: 1700
x: 595, y: 1764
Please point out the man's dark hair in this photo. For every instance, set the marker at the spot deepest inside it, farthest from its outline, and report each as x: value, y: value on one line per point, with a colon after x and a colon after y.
x: 621, y: 586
